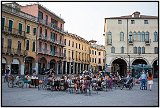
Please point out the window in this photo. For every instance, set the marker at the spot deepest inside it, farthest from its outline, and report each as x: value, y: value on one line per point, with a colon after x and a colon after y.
x: 64, y: 52
x: 45, y: 32
x: 95, y: 60
x: 10, y: 25
x: 76, y: 45
x: 132, y: 21
x: 121, y: 36
x: 27, y: 45
x: 99, y: 61
x: 145, y: 21
x: 139, y: 50
x: 9, y: 43
x: 40, y: 46
x: 45, y: 48
x: 109, y: 40
x: 20, y: 28
x: 40, y: 15
x: 79, y: 46
x: 143, y: 37
x: 112, y: 49
x: 34, y: 46
x: 156, y: 50
x: 130, y: 37
x: 143, y: 50
x: 69, y: 43
x: 155, y: 37
x: 3, y: 23
x: 92, y: 59
x: 135, y: 36
x: 46, y: 19
x: 139, y: 36
x: 34, y: 31
x: 40, y: 31
x: 19, y: 45
x: 72, y: 54
x: 99, y: 53
x: 61, y: 27
x: 64, y: 41
x: 82, y: 47
x: 28, y: 29
x: 72, y: 44
x: 119, y: 21
x: 92, y: 51
x: 135, y: 50
x: 89, y: 51
x: 95, y: 52
x: 122, y: 50
x: 147, y: 37
x: 69, y: 54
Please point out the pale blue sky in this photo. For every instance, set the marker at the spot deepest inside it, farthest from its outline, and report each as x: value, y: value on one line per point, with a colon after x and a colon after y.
x: 86, y: 19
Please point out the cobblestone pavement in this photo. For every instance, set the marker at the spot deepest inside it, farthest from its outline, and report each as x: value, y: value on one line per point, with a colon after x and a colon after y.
x: 116, y: 97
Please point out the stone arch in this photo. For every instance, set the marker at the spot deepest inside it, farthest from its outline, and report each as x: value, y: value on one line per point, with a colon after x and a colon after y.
x: 154, y: 60
x: 141, y: 59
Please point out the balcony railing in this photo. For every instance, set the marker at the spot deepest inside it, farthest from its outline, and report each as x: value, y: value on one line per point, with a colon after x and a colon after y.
x: 13, y: 31
x: 14, y: 11
x: 148, y: 42
x: 52, y: 25
x: 109, y: 42
x: 41, y: 36
x: 14, y: 51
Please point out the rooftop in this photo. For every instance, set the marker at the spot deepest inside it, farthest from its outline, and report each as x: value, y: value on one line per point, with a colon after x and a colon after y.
x: 135, y: 15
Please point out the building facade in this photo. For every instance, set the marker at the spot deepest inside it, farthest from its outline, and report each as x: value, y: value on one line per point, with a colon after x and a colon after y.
x: 131, y: 40
x: 97, y: 57
x: 18, y: 41
x: 76, y: 54
x: 50, y: 38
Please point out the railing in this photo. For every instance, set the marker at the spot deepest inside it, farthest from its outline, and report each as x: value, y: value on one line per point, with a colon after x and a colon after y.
x: 130, y: 42
x: 148, y: 42
x: 14, y: 51
x: 41, y: 36
x: 18, y: 12
x: 52, y: 25
x: 13, y: 31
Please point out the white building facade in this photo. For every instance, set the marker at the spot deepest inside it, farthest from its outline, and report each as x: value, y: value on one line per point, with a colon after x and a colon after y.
x: 131, y: 40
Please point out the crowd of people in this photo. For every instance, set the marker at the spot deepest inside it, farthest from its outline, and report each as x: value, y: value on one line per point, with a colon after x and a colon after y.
x: 81, y: 82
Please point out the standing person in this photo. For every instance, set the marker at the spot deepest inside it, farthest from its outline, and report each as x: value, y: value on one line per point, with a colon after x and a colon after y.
x: 7, y: 72
x: 143, y: 79
x: 150, y: 80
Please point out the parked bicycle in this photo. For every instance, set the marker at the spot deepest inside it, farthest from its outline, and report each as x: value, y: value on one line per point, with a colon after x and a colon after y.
x: 15, y: 81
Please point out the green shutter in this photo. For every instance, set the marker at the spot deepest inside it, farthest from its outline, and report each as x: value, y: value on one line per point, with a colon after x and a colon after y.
x: 10, y: 25
x: 3, y: 22
x: 34, y: 31
x: 28, y: 29
x: 20, y: 28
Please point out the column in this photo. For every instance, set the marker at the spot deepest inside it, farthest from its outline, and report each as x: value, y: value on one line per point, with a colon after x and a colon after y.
x: 73, y: 67
x: 80, y: 68
x: 62, y: 68
x: 22, y: 69
x: 36, y: 68
x: 66, y: 68
x: 57, y: 68
x: 76, y: 68
x: 69, y: 67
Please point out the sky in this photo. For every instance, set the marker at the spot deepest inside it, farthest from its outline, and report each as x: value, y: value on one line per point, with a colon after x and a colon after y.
x: 86, y: 19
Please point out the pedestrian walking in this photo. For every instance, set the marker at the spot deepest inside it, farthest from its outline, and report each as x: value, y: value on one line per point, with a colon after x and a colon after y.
x: 143, y: 79
x: 150, y: 80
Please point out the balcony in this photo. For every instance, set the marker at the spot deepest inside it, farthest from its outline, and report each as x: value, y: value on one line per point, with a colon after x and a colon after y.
x: 43, y: 51
x: 19, y: 13
x: 14, y: 32
x: 14, y: 51
x: 148, y: 42
x: 51, y: 25
x: 43, y: 37
x: 130, y: 42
